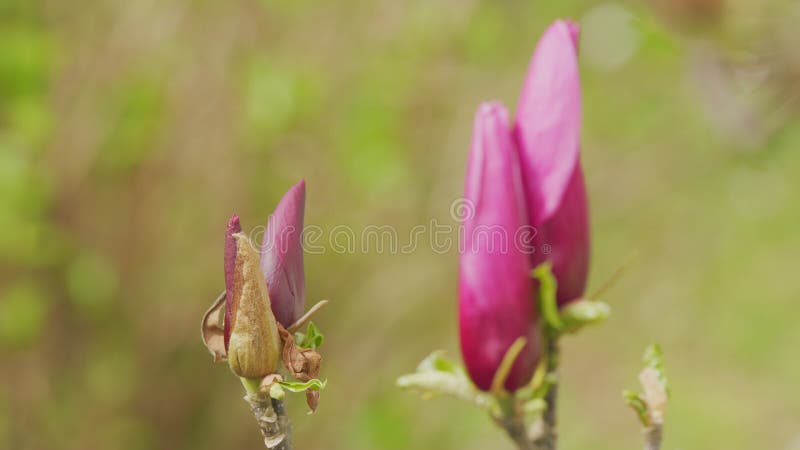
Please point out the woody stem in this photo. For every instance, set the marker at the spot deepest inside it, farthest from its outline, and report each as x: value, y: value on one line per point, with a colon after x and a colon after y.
x: 512, y: 421
x: 270, y: 414
x: 547, y: 438
x: 652, y: 437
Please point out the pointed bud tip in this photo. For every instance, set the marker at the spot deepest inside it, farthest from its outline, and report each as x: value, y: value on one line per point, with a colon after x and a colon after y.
x: 572, y: 28
x: 491, y: 109
x: 491, y: 119
x: 234, y: 226
x: 298, y: 192
x: 293, y: 202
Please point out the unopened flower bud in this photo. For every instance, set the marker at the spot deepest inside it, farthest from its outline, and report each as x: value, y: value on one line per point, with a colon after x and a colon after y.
x: 495, y: 289
x: 251, y: 334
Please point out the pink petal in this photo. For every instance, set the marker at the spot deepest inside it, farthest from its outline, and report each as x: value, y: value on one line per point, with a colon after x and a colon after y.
x: 282, y: 256
x: 547, y: 129
x: 567, y: 235
x: 495, y: 289
x: 548, y: 121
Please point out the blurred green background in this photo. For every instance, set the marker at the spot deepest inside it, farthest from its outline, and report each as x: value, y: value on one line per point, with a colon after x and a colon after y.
x: 131, y: 130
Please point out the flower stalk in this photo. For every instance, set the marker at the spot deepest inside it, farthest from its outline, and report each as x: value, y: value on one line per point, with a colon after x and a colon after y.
x: 546, y: 436
x: 652, y: 437
x: 512, y: 420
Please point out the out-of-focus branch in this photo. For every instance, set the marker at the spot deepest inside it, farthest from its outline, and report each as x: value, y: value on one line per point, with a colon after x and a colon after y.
x: 652, y: 437
x: 512, y: 421
x: 651, y: 404
x: 546, y: 437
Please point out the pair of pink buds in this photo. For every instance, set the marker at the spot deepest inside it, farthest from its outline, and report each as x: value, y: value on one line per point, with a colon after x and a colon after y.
x: 523, y: 175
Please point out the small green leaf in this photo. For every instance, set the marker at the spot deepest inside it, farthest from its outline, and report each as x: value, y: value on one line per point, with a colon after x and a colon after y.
x: 654, y: 358
x: 548, y: 306
x: 297, y: 386
x: 312, y: 338
x: 578, y: 314
x: 438, y: 362
x: 276, y: 391
x: 437, y: 375
x: 534, y: 407
x: 636, y: 403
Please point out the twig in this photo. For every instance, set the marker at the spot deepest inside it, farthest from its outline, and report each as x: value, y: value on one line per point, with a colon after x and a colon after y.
x: 547, y: 438
x: 651, y: 405
x: 510, y: 418
x: 512, y: 421
x: 652, y: 436
x: 612, y: 280
x: 272, y: 420
x: 307, y: 316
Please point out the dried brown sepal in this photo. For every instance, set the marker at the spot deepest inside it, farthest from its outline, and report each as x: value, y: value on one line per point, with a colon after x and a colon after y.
x: 312, y: 399
x: 302, y: 363
x: 212, y: 329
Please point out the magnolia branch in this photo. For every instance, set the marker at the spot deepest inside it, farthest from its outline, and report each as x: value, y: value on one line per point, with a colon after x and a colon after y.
x: 655, y: 398
x: 651, y: 405
x: 547, y: 436
x: 652, y: 437
x: 514, y: 425
x: 270, y: 414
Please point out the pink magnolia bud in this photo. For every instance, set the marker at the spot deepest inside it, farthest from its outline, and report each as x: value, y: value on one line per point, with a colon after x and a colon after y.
x: 282, y: 256
x: 547, y: 132
x: 495, y: 289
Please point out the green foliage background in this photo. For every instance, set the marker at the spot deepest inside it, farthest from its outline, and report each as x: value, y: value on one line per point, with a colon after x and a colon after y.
x: 131, y: 130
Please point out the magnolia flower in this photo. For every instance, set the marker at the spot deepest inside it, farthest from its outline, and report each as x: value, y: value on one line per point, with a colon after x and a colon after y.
x: 526, y: 178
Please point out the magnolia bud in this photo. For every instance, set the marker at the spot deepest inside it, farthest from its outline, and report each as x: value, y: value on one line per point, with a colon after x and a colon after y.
x: 253, y: 342
x: 495, y: 289
x: 547, y: 130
